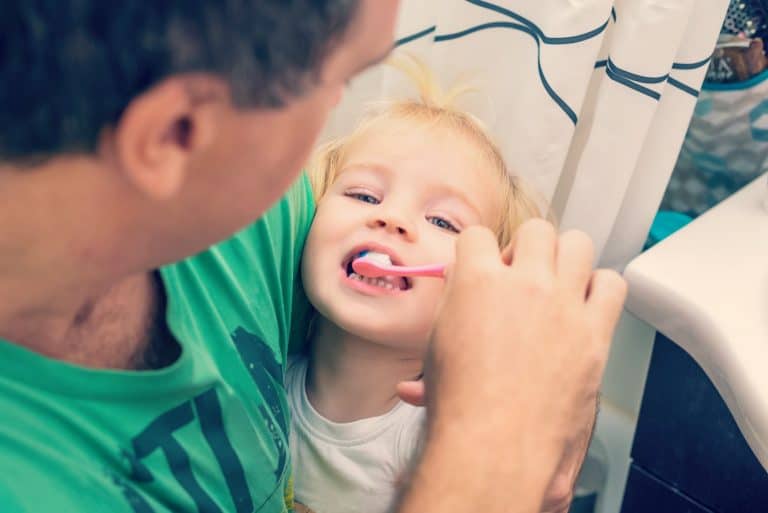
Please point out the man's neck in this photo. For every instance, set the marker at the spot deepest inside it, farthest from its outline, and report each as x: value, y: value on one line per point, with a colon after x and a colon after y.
x: 350, y: 378
x: 122, y: 328
x: 69, y: 289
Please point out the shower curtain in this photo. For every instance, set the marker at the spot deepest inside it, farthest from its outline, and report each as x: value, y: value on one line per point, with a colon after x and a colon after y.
x: 589, y: 99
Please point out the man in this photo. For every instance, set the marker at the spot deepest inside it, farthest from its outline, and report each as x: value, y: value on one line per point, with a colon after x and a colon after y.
x: 137, y: 134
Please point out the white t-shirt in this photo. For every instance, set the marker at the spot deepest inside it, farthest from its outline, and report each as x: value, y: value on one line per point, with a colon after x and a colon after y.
x: 351, y: 467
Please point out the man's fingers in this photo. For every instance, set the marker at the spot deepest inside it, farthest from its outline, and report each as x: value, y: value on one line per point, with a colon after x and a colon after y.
x: 605, y: 301
x: 535, y: 247
x: 412, y: 392
x: 507, y: 253
x: 575, y: 257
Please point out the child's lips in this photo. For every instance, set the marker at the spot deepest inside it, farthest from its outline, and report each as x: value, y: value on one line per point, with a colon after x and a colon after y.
x: 370, y: 286
x: 399, y: 282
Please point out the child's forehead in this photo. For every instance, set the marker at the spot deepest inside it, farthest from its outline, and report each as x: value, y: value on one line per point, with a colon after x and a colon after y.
x: 431, y: 159
x: 412, y: 138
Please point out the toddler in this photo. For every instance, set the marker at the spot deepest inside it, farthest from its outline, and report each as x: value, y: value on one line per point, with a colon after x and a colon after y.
x: 405, y: 183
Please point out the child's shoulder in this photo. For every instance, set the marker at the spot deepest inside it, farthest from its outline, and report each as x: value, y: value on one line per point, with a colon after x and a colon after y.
x: 412, y: 420
x: 295, y: 378
x: 411, y: 433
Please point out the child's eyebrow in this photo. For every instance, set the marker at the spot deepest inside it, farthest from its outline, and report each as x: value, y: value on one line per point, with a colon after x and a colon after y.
x: 448, y: 190
x: 368, y: 166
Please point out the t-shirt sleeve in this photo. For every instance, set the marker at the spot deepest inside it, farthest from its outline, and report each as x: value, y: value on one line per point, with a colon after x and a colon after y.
x: 302, y: 310
x: 287, y: 225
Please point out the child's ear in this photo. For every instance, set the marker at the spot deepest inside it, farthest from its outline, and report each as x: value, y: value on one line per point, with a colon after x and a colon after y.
x: 157, y: 135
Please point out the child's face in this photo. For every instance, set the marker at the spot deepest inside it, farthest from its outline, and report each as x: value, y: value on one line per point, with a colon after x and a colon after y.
x: 404, y: 190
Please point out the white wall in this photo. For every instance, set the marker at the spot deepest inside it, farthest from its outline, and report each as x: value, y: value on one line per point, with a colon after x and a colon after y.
x: 622, y: 391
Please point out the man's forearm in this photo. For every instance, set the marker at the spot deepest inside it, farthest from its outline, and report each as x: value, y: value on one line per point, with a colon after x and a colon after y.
x: 559, y: 494
x: 460, y: 471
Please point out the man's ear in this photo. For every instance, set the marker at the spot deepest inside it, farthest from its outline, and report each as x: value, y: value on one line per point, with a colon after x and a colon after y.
x: 158, y: 134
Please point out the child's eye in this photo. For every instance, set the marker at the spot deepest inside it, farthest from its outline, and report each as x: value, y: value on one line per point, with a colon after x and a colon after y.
x: 443, y: 224
x: 363, y: 196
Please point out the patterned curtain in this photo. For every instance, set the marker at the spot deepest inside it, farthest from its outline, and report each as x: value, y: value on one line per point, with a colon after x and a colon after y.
x: 590, y: 99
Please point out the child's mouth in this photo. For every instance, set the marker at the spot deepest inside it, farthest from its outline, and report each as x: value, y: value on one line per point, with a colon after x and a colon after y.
x: 384, y: 282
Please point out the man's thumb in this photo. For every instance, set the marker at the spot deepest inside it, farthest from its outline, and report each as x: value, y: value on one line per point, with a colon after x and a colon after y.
x: 412, y: 392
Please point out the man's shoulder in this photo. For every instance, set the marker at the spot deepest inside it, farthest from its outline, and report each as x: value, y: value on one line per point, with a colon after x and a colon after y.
x: 252, y: 276
x: 265, y: 253
x: 240, y: 294
x: 282, y: 228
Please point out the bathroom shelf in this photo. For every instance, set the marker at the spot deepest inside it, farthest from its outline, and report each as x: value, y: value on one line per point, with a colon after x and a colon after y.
x: 706, y: 288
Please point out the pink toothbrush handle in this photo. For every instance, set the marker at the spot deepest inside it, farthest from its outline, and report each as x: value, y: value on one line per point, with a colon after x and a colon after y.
x: 374, y: 270
x: 429, y: 271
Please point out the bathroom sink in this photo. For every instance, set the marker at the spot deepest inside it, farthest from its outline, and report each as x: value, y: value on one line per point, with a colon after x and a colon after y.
x: 706, y: 288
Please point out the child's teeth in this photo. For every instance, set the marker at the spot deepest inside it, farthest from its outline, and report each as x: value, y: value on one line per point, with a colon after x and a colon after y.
x: 379, y: 258
x: 385, y: 283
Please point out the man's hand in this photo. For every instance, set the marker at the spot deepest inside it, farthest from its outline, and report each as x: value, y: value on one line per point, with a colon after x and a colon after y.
x: 514, y: 367
x: 412, y: 392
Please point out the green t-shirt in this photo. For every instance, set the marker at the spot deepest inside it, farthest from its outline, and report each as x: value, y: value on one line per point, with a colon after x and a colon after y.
x: 207, y: 434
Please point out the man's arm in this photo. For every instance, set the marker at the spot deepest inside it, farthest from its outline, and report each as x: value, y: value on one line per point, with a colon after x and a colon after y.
x: 514, y: 369
x: 559, y: 493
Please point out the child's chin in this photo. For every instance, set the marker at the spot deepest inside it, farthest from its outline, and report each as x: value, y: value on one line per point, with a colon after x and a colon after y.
x: 390, y: 334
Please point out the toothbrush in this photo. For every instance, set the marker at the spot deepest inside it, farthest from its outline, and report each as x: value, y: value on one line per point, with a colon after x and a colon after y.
x: 376, y: 265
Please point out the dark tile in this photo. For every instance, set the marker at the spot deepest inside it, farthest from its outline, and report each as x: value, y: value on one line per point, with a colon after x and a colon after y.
x: 645, y: 494
x: 687, y: 437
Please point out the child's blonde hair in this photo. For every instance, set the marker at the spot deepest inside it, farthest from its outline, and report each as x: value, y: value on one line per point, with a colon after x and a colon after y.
x: 434, y: 106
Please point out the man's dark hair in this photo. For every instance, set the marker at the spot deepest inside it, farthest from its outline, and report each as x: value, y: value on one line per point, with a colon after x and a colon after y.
x: 68, y: 68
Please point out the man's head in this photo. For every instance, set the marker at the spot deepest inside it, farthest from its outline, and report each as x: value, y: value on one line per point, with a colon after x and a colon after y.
x: 71, y: 68
x: 181, y: 120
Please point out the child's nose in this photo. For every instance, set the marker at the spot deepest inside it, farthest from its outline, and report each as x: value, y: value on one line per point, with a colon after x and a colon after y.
x: 393, y: 224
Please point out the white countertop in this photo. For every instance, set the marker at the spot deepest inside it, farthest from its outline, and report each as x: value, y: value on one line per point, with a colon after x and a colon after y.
x: 706, y: 288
